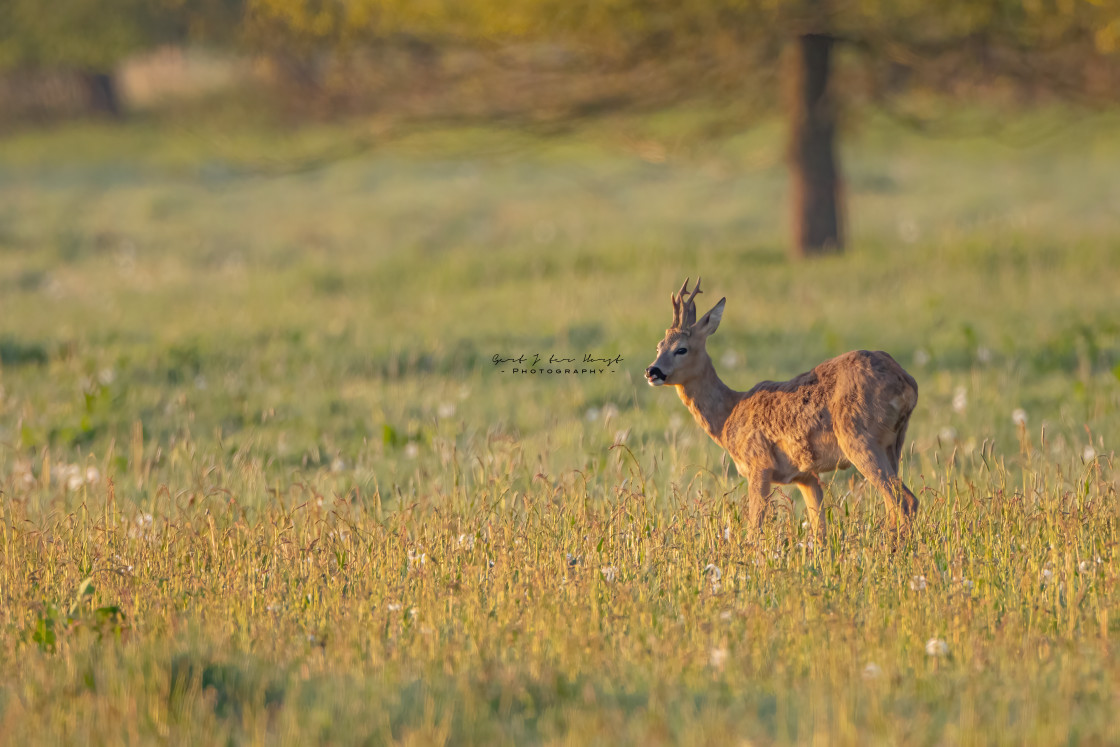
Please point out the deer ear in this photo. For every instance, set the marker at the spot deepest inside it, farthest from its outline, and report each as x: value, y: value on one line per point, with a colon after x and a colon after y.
x: 710, y: 321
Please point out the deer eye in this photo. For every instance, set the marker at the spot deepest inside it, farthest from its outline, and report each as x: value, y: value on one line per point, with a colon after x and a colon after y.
x: 680, y: 351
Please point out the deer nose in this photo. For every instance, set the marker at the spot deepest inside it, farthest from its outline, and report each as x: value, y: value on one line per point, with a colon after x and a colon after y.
x: 653, y: 372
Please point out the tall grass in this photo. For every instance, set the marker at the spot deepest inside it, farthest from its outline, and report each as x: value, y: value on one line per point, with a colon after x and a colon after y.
x: 262, y: 482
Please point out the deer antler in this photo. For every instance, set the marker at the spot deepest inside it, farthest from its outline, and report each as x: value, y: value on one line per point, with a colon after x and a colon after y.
x: 684, y: 311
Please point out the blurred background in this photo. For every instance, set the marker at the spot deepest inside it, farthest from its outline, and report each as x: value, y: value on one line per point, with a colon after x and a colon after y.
x: 547, y: 66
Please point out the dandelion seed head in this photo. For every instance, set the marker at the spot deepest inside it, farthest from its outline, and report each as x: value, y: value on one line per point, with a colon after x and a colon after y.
x: 960, y: 399
x: 937, y: 647
x: 1019, y: 416
x: 714, y: 575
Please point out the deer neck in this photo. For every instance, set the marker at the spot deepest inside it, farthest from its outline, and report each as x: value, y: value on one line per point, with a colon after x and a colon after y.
x: 709, y: 400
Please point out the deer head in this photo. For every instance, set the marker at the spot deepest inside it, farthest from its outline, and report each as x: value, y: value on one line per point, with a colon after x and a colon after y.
x: 682, y: 356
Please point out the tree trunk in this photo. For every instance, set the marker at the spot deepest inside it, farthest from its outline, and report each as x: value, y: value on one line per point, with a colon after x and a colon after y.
x: 812, y: 159
x: 101, y: 92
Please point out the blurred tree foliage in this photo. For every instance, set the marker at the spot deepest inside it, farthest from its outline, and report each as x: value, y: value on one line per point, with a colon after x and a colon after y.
x: 1053, y: 46
x: 1038, y: 45
x: 91, y: 37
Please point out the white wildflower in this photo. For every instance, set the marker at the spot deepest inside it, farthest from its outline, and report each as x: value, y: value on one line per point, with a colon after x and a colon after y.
x: 106, y: 376
x: 466, y: 541
x: 610, y: 573
x: 872, y: 671
x: 1088, y: 454
x: 717, y: 657
x: 412, y: 450
x: 1019, y: 416
x: 394, y: 607
x: 948, y: 434
x: 918, y: 583
x: 141, y: 527
x: 714, y: 575
x: 93, y: 474
x: 937, y: 647
x: 960, y: 400
x: 1046, y: 576
x: 70, y: 475
x: 1084, y: 566
x: 446, y: 409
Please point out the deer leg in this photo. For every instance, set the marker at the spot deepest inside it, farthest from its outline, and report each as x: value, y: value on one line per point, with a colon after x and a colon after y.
x: 872, y: 460
x: 758, y: 494
x: 810, y: 488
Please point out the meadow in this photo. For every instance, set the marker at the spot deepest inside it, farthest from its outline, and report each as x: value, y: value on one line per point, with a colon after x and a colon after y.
x: 261, y: 481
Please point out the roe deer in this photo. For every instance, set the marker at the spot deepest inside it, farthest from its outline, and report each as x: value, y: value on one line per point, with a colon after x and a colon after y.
x: 850, y: 410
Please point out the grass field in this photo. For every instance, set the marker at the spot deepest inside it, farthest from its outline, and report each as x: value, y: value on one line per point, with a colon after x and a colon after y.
x: 261, y: 481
